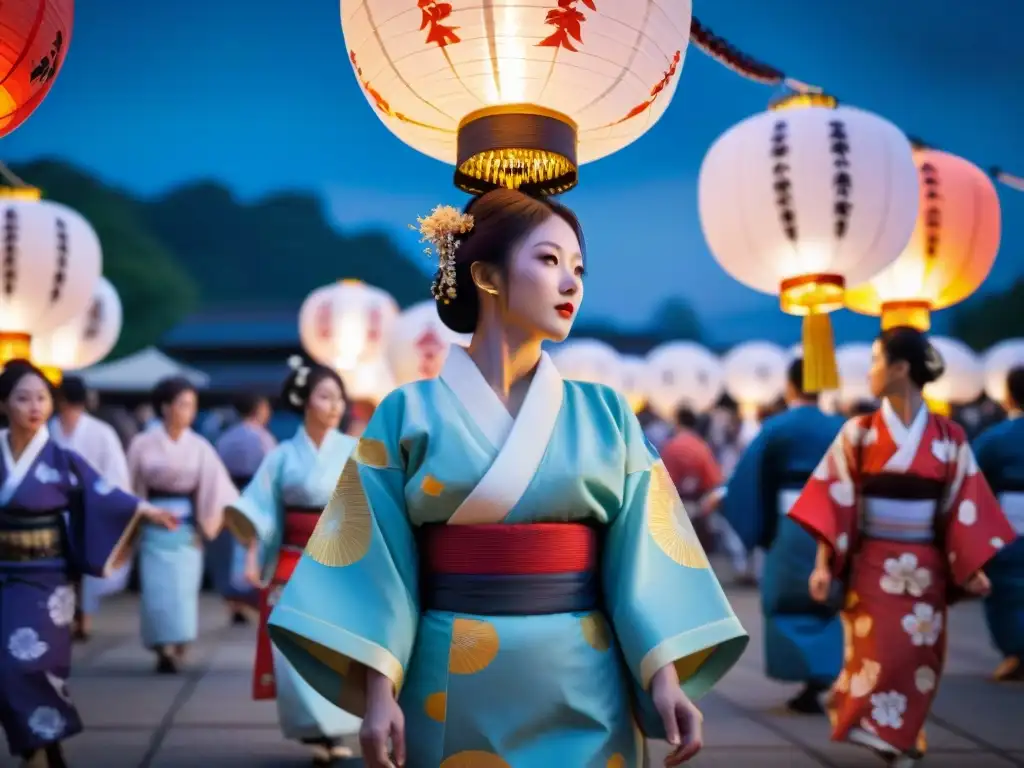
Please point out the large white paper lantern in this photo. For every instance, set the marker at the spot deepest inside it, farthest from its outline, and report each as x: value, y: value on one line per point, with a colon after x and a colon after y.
x: 951, y: 252
x: 419, y: 343
x: 803, y: 200
x: 84, y: 341
x: 755, y: 375
x: 963, y: 380
x: 997, y: 363
x: 589, y: 360
x: 635, y: 375
x: 514, y: 93
x: 683, y: 373
x: 50, y: 260
x: 854, y: 361
x: 346, y: 326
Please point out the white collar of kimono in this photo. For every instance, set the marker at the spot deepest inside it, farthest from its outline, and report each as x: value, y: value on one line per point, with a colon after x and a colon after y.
x: 303, y: 437
x: 906, y: 438
x: 18, y: 469
x: 520, y: 442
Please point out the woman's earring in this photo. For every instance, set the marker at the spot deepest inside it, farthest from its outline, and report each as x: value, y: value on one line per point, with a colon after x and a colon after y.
x: 492, y: 291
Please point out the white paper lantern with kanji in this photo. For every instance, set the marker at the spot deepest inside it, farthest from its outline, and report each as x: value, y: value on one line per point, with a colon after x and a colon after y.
x: 50, y: 260
x: 589, y: 360
x: 683, y: 373
x: 854, y: 361
x: 512, y: 93
x: 635, y: 376
x: 963, y: 380
x: 801, y: 201
x: 346, y: 326
x: 997, y: 363
x: 419, y: 343
x: 755, y: 374
x: 87, y: 339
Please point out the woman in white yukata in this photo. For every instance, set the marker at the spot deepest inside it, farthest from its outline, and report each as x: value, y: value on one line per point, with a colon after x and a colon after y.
x: 177, y: 469
x: 275, y: 516
x: 505, y: 576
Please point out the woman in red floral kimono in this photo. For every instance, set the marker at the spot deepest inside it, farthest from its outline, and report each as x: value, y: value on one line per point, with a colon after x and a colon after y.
x: 902, y: 513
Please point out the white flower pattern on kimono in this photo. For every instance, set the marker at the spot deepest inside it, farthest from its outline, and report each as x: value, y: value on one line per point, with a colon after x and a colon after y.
x: 24, y: 644
x: 842, y: 493
x: 870, y: 437
x: 866, y: 679
x: 967, y: 512
x: 923, y: 624
x: 944, y: 450
x: 888, y: 709
x: 903, y: 575
x: 102, y: 487
x: 47, y: 723
x: 925, y: 679
x: 997, y: 543
x: 842, y: 542
x: 46, y: 474
x: 61, y: 605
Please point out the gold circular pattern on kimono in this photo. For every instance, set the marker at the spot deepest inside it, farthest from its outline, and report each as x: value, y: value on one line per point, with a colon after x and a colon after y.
x: 474, y: 759
x: 436, y: 706
x: 852, y: 598
x: 862, y: 626
x: 343, y: 533
x: 668, y: 523
x: 847, y: 637
x: 372, y: 453
x: 474, y: 646
x: 616, y: 761
x: 925, y: 679
x: 595, y: 631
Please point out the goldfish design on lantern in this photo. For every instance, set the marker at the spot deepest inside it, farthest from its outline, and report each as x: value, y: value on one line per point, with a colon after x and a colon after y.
x: 804, y: 199
x: 346, y: 326
x: 33, y: 44
x: 50, y: 261
x: 419, y: 343
x: 517, y: 94
x: 85, y: 340
x: 950, y: 253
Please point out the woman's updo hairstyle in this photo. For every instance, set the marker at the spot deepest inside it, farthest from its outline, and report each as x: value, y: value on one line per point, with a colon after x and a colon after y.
x: 303, y: 380
x: 14, y: 372
x: 911, y: 346
x: 501, y: 219
x: 167, y: 391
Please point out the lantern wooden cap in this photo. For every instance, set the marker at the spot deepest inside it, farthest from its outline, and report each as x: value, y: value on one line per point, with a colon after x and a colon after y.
x: 518, y: 146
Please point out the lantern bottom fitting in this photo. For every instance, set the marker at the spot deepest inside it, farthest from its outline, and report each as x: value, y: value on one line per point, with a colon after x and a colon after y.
x: 938, y: 407
x: 812, y: 294
x: 517, y: 146
x: 53, y: 374
x: 14, y: 346
x: 26, y: 194
x: 803, y: 100
x: 819, y: 350
x: 916, y: 314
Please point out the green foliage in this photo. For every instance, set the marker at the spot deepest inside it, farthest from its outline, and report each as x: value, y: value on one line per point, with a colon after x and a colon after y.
x: 986, y: 319
x: 155, y: 291
x: 675, y: 319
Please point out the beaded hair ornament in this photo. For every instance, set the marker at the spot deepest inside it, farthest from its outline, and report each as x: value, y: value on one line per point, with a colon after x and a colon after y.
x: 439, y: 230
x: 301, y: 376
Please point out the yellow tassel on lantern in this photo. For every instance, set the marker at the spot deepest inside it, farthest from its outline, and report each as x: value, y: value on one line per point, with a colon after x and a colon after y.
x: 915, y: 314
x: 938, y: 407
x: 813, y: 297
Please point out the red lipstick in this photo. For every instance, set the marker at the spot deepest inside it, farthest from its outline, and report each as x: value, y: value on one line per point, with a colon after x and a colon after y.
x: 565, y: 310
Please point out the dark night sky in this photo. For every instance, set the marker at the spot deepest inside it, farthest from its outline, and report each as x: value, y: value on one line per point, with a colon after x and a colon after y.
x: 259, y: 94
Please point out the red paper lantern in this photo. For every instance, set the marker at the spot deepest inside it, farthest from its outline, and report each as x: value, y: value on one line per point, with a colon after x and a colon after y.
x: 34, y: 39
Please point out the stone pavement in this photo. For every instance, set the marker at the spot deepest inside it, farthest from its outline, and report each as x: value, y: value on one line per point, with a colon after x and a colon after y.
x: 205, y: 717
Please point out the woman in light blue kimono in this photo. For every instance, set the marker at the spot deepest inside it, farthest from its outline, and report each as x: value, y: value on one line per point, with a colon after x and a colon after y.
x: 803, y: 639
x: 275, y: 515
x: 1000, y: 454
x: 505, y: 565
x: 178, y: 470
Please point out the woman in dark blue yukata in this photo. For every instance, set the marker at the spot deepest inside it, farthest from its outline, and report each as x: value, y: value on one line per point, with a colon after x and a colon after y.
x: 58, y: 520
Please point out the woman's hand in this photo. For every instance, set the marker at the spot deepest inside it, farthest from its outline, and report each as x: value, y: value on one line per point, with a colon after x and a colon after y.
x: 820, y: 583
x: 978, y: 585
x: 684, y: 724
x: 158, y: 516
x: 383, y: 722
x: 252, y: 566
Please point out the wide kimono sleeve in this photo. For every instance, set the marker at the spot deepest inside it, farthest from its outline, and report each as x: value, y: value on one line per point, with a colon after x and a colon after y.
x: 214, y: 490
x: 744, y: 505
x: 664, y: 601
x: 827, y: 506
x: 975, y: 527
x: 353, y: 601
x: 256, y: 515
x: 103, y: 520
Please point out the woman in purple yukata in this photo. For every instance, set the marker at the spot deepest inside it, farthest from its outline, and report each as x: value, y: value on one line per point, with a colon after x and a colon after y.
x: 58, y: 520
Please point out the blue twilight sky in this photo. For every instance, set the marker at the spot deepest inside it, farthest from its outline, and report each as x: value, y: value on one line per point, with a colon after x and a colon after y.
x: 259, y: 94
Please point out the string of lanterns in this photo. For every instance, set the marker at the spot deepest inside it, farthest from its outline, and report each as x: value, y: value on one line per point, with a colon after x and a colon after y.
x: 745, y: 65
